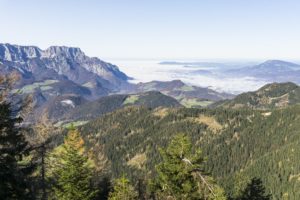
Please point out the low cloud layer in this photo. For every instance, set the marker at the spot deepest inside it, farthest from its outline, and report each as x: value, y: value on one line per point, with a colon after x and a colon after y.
x: 149, y: 70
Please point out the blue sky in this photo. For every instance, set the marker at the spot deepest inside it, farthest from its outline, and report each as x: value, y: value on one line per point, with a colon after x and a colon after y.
x: 167, y: 29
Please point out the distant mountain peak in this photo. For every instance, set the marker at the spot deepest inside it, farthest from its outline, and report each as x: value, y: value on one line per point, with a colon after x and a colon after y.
x: 18, y: 53
x: 278, y: 63
x: 274, y: 61
x: 270, y: 71
x: 11, y: 52
x: 70, y: 52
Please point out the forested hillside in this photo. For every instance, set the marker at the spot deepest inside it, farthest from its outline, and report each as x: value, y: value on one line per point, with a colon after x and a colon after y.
x: 237, y: 143
x: 153, y: 148
x: 270, y: 96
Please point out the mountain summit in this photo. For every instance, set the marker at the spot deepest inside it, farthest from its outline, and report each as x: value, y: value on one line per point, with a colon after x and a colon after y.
x: 276, y: 66
x: 270, y: 71
x: 60, y: 62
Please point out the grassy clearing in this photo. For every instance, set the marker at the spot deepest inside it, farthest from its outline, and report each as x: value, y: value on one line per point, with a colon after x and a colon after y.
x: 187, y: 88
x: 138, y: 161
x: 211, y: 122
x: 192, y: 103
x: 42, y: 85
x: 131, y: 99
x: 75, y: 124
x: 161, y: 112
x: 149, y: 86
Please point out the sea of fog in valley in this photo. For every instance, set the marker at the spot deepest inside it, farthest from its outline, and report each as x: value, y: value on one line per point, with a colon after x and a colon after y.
x: 195, y: 72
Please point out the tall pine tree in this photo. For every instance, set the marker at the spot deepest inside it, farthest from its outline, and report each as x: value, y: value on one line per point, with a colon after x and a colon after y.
x: 14, y: 170
x: 181, y: 175
x: 73, y: 171
x: 255, y: 190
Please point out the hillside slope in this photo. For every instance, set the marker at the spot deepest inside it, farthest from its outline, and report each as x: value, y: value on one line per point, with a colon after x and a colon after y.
x: 70, y: 109
x: 275, y: 95
x: 254, y: 143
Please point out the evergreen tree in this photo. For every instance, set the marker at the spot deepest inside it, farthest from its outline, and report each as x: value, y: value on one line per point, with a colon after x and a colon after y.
x: 14, y: 169
x: 181, y: 175
x: 73, y: 171
x: 255, y: 191
x: 123, y: 190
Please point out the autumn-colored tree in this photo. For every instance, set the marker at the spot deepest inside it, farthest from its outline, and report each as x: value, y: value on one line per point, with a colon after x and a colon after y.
x: 72, y: 171
x: 44, y: 130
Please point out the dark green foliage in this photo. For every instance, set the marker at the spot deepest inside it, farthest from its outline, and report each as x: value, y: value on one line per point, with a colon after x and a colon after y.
x: 254, y: 191
x: 104, y: 185
x: 15, y: 170
x: 181, y: 174
x: 175, y: 172
x: 13, y: 148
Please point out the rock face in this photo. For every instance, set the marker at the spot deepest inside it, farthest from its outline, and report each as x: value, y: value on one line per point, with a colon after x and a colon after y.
x: 60, y: 62
x: 18, y: 53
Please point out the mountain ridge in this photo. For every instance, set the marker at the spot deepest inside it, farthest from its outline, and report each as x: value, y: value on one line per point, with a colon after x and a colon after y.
x: 72, y: 108
x: 187, y: 95
x: 63, y: 59
x: 270, y: 96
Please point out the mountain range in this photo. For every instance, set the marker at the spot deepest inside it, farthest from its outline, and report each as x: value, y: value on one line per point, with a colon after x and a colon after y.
x: 271, y: 71
x: 65, y: 80
x: 63, y: 64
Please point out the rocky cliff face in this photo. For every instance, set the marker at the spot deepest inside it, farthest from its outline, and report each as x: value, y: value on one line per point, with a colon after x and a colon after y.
x: 62, y: 62
x: 18, y: 53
